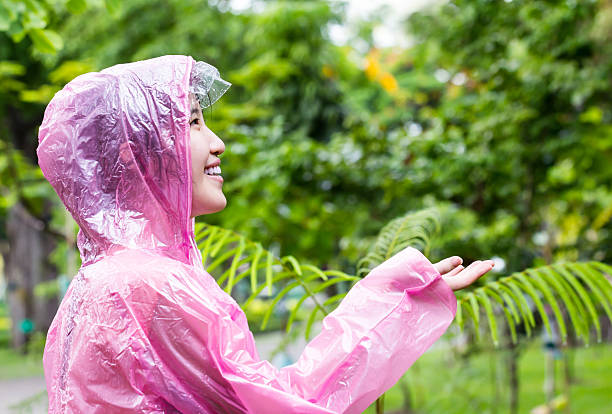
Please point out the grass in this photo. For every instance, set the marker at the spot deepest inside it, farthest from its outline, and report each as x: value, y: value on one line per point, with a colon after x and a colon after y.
x: 15, y: 365
x: 438, y: 383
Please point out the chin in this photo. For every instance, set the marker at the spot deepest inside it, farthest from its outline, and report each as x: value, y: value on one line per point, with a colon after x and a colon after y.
x: 221, y: 205
x: 208, y: 206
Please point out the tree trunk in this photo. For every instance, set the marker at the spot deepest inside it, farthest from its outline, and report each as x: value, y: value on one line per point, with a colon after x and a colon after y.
x: 407, y: 406
x: 26, y: 265
x: 494, y: 381
x: 513, y: 378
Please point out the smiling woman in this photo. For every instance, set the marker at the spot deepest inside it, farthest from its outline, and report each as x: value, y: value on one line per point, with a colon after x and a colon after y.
x: 143, y: 327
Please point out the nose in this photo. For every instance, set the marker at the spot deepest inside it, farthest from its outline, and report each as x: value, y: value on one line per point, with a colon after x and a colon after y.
x: 217, y: 146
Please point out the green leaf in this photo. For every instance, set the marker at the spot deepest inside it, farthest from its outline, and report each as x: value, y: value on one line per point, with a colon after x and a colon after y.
x: 571, y: 279
x: 595, y: 288
x: 507, y: 298
x: 222, y: 258
x: 8, y: 68
x: 604, y: 284
x: 310, y: 322
x: 277, y: 298
x: 69, y: 70
x: 5, y: 20
x: 491, y: 317
x: 76, y: 6
x: 294, y: 311
x: 551, y: 301
x: 310, y: 294
x: 113, y: 7
x: 226, y: 238
x: 254, y: 266
x: 241, y: 275
x: 234, y: 265
x: 459, y: 315
x: 570, y: 300
x: 208, y: 244
x: 315, y: 270
x: 533, y: 294
x: 269, y: 273
x: 43, y: 94
x: 523, y: 305
x: 333, y: 299
x: 414, y: 229
x: 280, y: 276
x: 294, y: 263
x: 513, y: 335
x: 46, y: 41
x: 470, y: 304
x: 474, y: 304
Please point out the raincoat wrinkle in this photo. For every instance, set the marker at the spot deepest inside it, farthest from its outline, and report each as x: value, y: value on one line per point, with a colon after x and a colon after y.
x: 143, y: 327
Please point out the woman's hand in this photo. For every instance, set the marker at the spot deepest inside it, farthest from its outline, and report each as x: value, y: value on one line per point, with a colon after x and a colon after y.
x: 458, y: 277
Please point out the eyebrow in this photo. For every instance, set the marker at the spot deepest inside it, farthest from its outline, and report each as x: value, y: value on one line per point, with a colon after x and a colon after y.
x: 194, y: 111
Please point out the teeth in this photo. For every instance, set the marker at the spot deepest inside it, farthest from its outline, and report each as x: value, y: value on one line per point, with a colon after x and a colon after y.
x: 212, y: 170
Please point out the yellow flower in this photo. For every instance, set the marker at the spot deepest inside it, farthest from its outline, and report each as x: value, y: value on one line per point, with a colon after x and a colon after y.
x: 327, y: 71
x: 372, y: 67
x: 388, y: 82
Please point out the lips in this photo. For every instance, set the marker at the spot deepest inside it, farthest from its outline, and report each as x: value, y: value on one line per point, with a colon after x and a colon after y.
x: 215, y: 163
x: 216, y: 178
x: 213, y: 171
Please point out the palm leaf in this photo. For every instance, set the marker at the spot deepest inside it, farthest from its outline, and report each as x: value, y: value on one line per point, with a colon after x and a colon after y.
x: 565, y: 286
x: 414, y: 229
x: 231, y: 257
x: 580, y: 290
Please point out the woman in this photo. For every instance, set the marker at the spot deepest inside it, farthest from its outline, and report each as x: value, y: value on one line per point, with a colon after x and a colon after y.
x: 143, y: 328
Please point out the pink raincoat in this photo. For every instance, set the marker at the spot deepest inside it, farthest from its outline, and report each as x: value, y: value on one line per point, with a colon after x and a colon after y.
x: 143, y: 327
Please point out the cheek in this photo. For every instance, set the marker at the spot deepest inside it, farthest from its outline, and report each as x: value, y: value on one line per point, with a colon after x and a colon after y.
x: 197, y: 155
x: 207, y: 196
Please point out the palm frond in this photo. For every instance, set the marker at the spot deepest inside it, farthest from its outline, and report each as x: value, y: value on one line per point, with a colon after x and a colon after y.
x: 413, y: 229
x: 231, y: 257
x: 577, y: 288
x: 576, y: 293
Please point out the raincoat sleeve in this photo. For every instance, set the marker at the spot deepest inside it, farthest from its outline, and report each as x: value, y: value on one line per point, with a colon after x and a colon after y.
x: 386, y: 321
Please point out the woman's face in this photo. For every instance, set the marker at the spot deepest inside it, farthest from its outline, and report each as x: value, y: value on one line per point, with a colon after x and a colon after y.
x: 207, y: 183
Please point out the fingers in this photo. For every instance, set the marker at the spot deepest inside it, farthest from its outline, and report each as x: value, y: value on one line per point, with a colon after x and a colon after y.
x: 476, y: 270
x: 455, y: 271
x: 446, y: 265
x: 468, y: 275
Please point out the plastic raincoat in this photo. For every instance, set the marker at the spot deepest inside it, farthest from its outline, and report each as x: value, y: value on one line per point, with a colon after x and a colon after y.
x: 143, y: 327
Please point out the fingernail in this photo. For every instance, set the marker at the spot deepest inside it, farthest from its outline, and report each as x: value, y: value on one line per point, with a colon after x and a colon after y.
x: 457, y: 260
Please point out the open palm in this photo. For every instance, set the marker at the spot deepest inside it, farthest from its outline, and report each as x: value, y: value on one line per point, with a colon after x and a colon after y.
x: 459, y: 277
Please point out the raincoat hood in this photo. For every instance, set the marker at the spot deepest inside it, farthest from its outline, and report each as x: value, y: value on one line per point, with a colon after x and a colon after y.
x: 114, y: 145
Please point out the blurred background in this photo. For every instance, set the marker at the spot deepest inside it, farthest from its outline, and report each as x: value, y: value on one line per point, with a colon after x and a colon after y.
x: 342, y: 116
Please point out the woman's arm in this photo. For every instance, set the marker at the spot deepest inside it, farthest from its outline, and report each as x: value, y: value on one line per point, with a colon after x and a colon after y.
x: 204, y: 355
x: 386, y: 321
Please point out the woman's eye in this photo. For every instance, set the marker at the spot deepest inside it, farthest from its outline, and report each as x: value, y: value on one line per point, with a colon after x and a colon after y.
x: 196, y: 120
